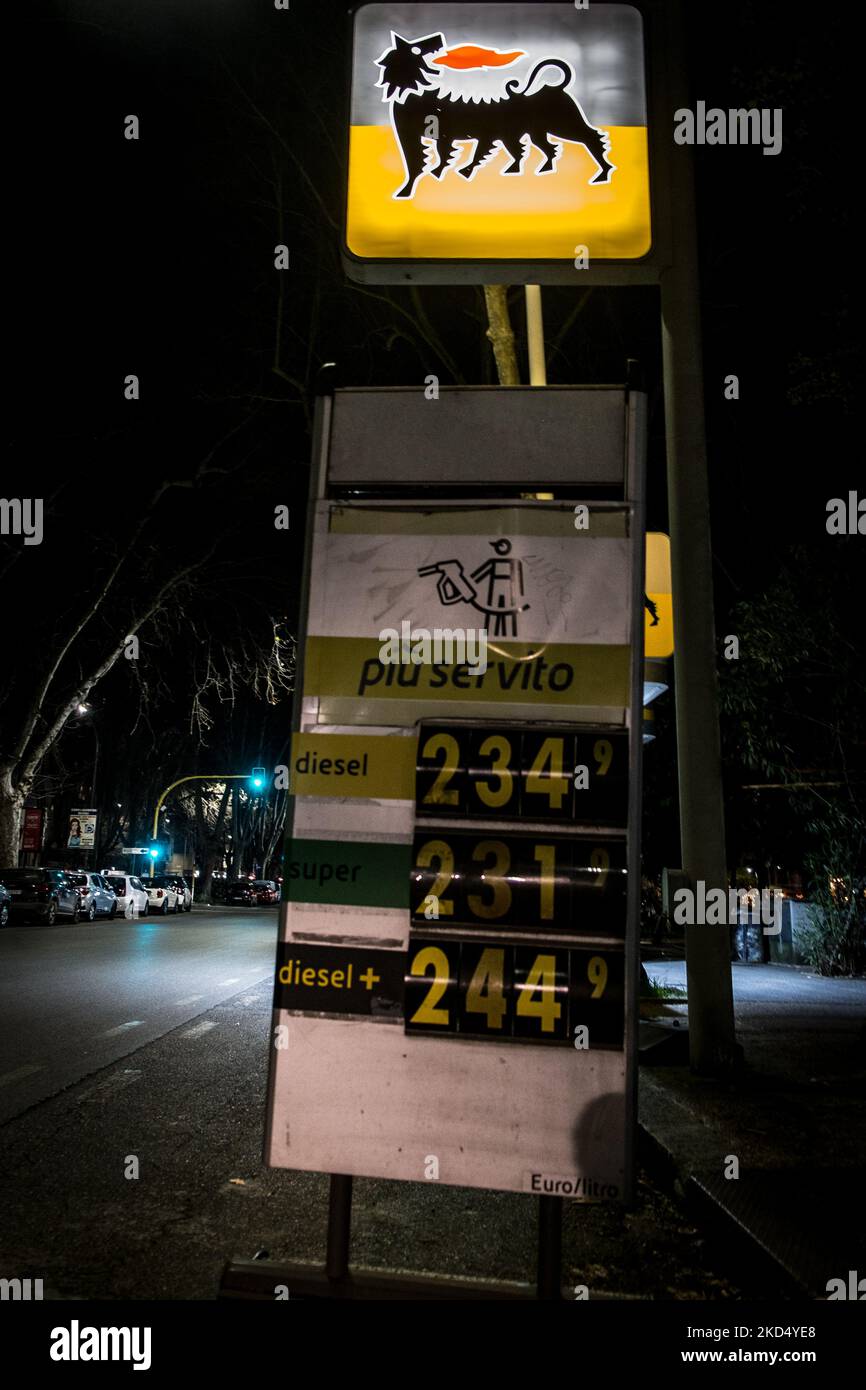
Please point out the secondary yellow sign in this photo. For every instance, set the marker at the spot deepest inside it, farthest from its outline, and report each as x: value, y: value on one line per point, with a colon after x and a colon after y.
x: 658, y: 600
x: 498, y: 132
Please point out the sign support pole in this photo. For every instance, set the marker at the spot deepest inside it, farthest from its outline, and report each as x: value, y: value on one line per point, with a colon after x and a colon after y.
x: 339, y: 1226
x: 549, y: 1208
x: 535, y: 336
x: 702, y: 829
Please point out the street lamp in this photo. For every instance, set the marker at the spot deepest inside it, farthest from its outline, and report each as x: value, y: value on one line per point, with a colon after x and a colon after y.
x: 83, y: 709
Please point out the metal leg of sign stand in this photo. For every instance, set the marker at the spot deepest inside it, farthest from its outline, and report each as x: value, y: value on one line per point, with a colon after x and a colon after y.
x: 339, y: 1227
x: 259, y: 1280
x: 550, y: 1248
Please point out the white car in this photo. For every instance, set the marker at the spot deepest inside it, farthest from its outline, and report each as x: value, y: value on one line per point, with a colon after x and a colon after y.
x: 132, y: 898
x: 162, y: 895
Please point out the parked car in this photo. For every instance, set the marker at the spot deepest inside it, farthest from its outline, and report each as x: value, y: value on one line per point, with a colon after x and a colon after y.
x: 98, y: 898
x: 241, y: 893
x: 42, y: 893
x: 5, y: 905
x: 132, y: 898
x: 181, y: 887
x: 267, y: 891
x: 162, y: 894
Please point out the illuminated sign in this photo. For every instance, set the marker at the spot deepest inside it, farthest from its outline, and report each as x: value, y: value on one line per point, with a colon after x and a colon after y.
x: 497, y: 133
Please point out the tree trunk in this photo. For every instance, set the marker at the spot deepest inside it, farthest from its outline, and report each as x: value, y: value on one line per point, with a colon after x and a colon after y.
x: 11, y: 808
x: 501, y: 334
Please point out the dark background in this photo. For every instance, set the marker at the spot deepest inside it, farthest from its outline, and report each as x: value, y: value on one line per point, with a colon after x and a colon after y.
x: 156, y: 257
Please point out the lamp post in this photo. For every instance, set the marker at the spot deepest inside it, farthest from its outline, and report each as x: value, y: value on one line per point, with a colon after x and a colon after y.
x: 83, y: 711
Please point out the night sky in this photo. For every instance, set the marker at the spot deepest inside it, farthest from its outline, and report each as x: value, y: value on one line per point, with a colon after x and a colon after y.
x: 156, y: 257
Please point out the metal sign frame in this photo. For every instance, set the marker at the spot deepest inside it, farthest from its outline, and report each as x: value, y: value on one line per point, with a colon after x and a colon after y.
x: 328, y: 480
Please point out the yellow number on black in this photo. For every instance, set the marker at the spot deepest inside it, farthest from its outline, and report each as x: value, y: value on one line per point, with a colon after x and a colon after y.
x: 541, y: 979
x: 498, y: 749
x: 599, y: 862
x: 545, y: 855
x: 596, y: 973
x: 492, y: 877
x: 554, y: 783
x: 603, y: 753
x: 486, y: 990
x: 443, y: 854
x: 427, y: 1012
x: 437, y: 794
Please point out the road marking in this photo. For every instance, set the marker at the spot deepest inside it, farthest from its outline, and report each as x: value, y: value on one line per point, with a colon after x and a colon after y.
x: 197, y: 1031
x: 234, y: 980
x: 122, y: 1027
x: 250, y: 999
x: 190, y: 999
x: 18, y: 1075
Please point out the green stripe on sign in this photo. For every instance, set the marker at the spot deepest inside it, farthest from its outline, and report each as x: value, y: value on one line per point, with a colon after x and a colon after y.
x: 351, y: 873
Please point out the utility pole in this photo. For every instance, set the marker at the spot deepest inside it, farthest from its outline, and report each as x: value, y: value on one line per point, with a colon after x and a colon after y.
x: 712, y: 1045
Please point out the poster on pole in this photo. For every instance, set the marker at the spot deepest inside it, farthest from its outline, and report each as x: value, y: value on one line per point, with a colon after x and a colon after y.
x: 82, y: 829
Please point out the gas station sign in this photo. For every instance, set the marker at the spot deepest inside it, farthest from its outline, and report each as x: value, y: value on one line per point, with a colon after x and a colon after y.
x: 485, y: 133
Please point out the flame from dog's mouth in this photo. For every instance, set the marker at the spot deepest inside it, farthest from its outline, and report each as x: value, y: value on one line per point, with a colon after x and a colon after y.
x: 469, y: 55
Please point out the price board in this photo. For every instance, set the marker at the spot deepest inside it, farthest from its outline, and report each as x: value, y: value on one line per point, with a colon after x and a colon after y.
x: 533, y: 994
x: 455, y: 976
x: 531, y: 774
x: 537, y: 882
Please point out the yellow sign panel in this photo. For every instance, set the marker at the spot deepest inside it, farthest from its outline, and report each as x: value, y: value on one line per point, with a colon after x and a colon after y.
x: 353, y: 765
x: 497, y: 217
x: 658, y: 603
x: 498, y: 133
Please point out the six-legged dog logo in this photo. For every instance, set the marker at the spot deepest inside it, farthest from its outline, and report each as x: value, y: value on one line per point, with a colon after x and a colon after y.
x: 428, y: 121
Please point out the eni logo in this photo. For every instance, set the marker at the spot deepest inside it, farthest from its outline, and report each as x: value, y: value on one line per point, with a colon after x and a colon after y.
x: 428, y: 119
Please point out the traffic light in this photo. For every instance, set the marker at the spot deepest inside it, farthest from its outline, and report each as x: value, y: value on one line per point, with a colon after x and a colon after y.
x: 258, y: 779
x: 158, y: 849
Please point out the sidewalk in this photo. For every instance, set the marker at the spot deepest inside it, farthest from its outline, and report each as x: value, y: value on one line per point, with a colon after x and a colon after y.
x: 795, y: 1121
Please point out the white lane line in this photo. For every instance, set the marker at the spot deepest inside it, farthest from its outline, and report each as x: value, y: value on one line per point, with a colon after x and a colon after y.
x: 122, y: 1028
x: 248, y: 999
x: 190, y: 999
x: 233, y: 980
x: 19, y: 1074
x: 197, y: 1030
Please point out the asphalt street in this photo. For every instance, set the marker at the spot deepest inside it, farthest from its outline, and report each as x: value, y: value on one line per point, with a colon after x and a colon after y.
x: 151, y: 1043
x: 74, y: 999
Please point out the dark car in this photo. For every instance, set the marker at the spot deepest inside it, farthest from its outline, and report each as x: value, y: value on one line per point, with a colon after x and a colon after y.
x: 42, y: 893
x: 242, y: 892
x: 5, y: 905
x: 267, y: 892
x: 98, y: 898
